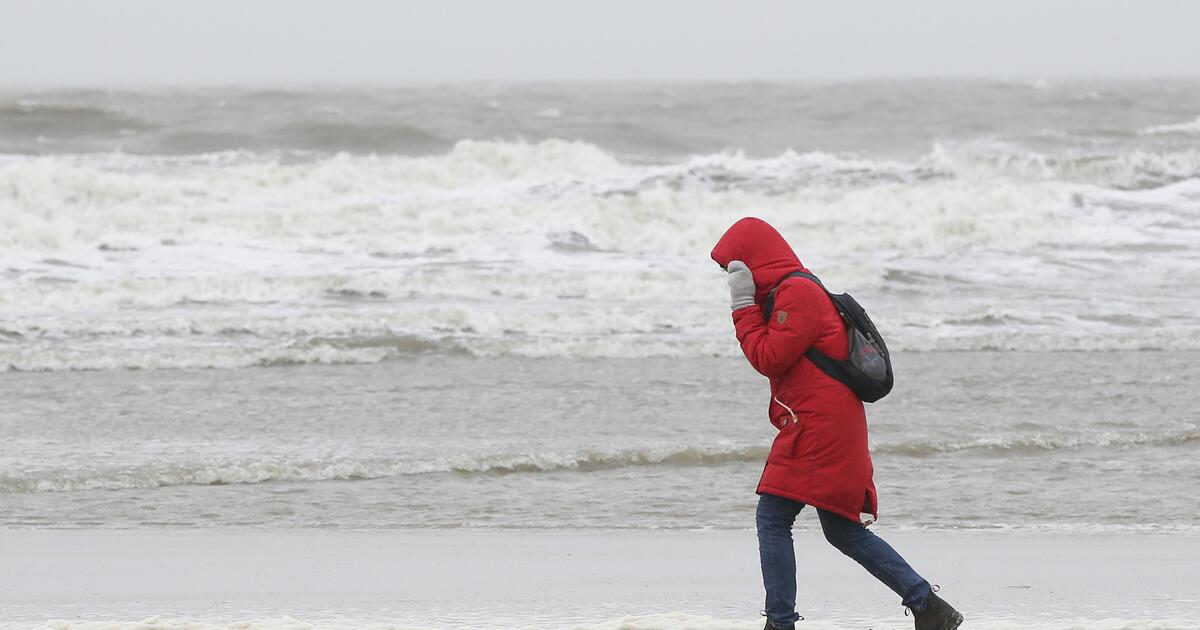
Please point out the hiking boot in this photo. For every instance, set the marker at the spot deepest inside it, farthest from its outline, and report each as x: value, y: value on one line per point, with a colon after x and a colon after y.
x: 938, y: 615
x: 770, y: 627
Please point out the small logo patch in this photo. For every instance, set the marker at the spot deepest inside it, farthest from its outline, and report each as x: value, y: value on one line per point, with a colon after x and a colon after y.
x: 781, y: 316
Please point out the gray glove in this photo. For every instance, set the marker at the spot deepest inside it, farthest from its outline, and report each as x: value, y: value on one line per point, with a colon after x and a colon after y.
x: 741, y: 285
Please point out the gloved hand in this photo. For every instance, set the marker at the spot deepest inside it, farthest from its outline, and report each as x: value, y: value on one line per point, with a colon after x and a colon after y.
x: 741, y: 285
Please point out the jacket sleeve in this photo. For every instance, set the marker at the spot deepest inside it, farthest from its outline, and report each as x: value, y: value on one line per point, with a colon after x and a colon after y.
x: 774, y: 346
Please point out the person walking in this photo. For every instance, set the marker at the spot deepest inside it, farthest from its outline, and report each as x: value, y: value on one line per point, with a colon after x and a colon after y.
x: 820, y: 456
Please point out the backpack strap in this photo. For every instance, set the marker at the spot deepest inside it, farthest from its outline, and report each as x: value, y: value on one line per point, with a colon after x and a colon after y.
x: 768, y: 305
x: 842, y: 371
x: 826, y: 364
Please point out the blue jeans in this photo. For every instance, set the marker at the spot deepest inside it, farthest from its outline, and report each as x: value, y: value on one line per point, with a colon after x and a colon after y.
x: 774, y: 519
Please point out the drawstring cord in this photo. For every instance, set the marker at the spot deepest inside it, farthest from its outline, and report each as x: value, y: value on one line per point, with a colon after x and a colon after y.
x: 789, y: 409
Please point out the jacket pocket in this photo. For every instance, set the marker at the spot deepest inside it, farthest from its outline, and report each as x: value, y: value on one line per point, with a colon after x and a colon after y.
x: 789, y: 414
x: 794, y: 424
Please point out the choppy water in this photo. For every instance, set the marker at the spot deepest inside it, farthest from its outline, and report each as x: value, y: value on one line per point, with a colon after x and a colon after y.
x: 969, y: 440
x: 180, y: 229
x: 516, y: 279
x: 492, y: 307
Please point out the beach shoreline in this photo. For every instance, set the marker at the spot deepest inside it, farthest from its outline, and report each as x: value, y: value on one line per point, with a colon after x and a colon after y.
x: 575, y: 579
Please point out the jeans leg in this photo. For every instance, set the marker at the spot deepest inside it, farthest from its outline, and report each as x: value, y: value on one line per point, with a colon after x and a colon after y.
x: 774, y: 519
x: 878, y: 557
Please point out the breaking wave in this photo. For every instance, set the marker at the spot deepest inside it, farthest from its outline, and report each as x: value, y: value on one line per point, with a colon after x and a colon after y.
x: 1040, y: 443
x: 341, y: 470
x: 953, y: 198
x: 204, y: 354
x: 254, y: 472
x: 67, y: 359
x: 559, y: 248
x: 1190, y: 127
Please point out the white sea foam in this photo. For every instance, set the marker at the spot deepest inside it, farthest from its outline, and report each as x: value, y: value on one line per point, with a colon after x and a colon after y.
x: 1043, y: 442
x: 1189, y: 127
x: 248, y: 472
x: 487, y: 199
x: 559, y: 249
x: 328, y: 339
x: 42, y: 359
x: 481, y: 191
x: 263, y: 471
x: 203, y: 354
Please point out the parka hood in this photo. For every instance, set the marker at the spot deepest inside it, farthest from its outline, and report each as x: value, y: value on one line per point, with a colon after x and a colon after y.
x: 754, y: 242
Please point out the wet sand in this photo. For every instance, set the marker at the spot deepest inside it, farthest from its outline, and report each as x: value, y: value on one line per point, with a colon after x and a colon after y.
x: 579, y: 579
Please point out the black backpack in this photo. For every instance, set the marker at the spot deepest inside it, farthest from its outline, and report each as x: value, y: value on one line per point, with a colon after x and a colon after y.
x: 867, y: 370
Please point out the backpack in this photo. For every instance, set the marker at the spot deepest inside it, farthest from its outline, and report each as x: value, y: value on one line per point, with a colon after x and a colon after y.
x: 867, y: 370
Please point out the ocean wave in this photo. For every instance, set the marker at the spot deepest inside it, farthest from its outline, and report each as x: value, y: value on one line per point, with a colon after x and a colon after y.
x: 504, y: 199
x: 558, y: 248
x: 1149, y: 338
x: 1041, y: 442
x: 1131, y: 170
x: 639, y: 346
x: 252, y: 472
x: 242, y: 349
x: 787, y: 173
x: 58, y: 359
x: 464, y: 200
x: 1190, y: 127
x: 553, y: 165
x: 316, y: 136
x: 33, y: 119
x: 268, y: 471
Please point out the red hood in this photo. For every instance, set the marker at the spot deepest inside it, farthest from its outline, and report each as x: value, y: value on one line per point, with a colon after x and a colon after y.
x: 756, y: 243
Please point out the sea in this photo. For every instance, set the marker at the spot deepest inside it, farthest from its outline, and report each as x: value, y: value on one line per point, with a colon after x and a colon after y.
x: 491, y: 306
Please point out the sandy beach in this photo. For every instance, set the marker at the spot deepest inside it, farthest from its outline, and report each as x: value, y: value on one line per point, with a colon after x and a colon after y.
x: 578, y: 579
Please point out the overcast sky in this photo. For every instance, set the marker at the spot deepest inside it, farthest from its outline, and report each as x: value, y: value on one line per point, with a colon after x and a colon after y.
x: 119, y: 42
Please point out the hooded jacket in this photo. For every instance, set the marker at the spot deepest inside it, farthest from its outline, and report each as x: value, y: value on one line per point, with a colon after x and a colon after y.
x: 820, y: 456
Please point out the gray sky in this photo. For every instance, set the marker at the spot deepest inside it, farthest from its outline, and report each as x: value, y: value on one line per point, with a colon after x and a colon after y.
x: 72, y: 42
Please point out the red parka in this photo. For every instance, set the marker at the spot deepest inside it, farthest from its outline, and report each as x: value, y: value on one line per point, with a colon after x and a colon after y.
x: 820, y: 454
